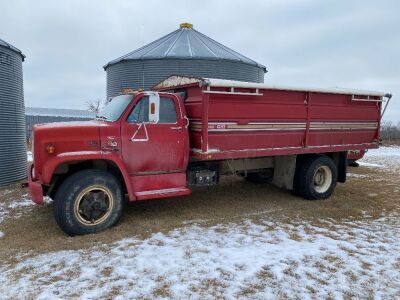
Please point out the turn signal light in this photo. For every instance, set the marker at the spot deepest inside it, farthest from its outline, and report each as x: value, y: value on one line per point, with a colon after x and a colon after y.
x: 50, y: 149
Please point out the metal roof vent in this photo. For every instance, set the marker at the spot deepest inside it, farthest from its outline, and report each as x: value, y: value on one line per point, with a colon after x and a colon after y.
x: 186, y: 25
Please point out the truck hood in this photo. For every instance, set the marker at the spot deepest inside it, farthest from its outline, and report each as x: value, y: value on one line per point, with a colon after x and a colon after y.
x: 67, y: 137
x: 75, y: 124
x: 69, y: 132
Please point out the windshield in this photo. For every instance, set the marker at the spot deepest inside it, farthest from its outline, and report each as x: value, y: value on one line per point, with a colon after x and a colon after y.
x: 114, y: 109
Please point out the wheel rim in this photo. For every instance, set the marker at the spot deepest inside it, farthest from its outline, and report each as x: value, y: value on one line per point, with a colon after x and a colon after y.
x: 93, y: 205
x: 322, y: 179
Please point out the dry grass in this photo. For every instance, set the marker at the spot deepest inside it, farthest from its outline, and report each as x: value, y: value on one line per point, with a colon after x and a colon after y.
x: 32, y: 230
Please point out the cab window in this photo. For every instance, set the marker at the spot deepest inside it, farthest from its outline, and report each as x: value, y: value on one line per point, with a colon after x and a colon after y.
x: 167, y: 111
x: 140, y: 113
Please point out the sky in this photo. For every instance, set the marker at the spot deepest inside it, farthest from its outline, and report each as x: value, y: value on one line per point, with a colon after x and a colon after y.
x: 352, y: 44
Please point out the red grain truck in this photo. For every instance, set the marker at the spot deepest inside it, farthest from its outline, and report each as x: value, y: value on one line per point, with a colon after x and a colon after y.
x: 189, y: 132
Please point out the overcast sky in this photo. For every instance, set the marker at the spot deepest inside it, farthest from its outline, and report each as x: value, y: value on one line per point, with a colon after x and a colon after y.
x: 354, y: 44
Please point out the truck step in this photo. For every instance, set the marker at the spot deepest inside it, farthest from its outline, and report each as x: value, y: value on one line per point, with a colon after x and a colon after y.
x: 171, y: 192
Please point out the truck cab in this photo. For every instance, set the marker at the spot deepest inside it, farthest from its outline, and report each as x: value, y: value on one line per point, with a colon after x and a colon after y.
x: 137, y: 147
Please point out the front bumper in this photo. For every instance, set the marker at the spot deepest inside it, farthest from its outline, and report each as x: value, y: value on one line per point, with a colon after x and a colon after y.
x: 35, y: 188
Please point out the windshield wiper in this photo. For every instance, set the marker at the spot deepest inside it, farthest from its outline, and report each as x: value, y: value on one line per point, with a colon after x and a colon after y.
x: 100, y: 117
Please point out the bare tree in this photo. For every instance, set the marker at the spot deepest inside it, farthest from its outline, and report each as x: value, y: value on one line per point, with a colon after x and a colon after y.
x: 95, y: 105
x: 389, y: 131
x: 385, y: 129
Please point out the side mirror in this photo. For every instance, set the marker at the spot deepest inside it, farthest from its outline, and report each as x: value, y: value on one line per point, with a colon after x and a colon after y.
x: 154, y: 108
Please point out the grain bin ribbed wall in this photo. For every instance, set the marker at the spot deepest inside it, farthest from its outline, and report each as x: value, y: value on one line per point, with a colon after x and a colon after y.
x: 13, y: 161
x: 182, y: 52
x: 147, y: 73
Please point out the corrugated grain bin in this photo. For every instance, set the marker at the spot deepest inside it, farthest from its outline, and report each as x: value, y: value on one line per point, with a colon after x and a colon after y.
x: 184, y: 51
x: 13, y: 161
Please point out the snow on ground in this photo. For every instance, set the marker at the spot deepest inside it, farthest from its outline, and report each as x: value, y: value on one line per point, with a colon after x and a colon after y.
x: 17, y: 207
x: 357, y: 175
x: 384, y: 151
x: 7, y: 208
x: 365, y: 164
x: 255, y: 258
x: 22, y: 203
x: 386, y: 156
x: 360, y: 258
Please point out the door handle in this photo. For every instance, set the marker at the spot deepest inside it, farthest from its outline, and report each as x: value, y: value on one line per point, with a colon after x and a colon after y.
x: 177, y: 128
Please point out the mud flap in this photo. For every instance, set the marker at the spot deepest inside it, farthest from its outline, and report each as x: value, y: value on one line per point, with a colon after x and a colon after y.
x: 342, y: 166
x: 284, y: 170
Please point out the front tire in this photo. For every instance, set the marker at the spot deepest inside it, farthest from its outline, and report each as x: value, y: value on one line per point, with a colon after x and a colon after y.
x: 316, y: 178
x: 88, y: 201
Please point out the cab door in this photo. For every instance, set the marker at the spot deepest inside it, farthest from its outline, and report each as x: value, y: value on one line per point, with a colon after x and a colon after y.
x: 154, y: 136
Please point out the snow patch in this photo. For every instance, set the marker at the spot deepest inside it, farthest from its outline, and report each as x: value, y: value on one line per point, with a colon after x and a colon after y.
x: 384, y: 151
x: 247, y: 260
x: 1, y: 234
x: 365, y: 164
x: 357, y: 175
x: 386, y: 157
x: 19, y: 206
x: 21, y: 203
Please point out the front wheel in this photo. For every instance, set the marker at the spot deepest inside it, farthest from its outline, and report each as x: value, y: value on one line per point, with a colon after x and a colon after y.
x: 316, y: 178
x: 87, y: 202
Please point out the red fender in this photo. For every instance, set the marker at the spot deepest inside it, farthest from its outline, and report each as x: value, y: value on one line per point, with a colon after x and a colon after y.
x: 53, y: 162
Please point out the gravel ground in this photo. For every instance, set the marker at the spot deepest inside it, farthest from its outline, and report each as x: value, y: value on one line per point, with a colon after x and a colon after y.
x: 235, y: 240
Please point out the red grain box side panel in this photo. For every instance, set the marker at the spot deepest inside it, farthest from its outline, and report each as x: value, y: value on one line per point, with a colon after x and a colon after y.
x: 259, y: 122
x: 252, y: 120
x: 276, y: 123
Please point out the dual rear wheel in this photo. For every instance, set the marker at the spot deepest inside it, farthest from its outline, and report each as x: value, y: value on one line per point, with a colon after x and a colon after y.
x: 315, y: 177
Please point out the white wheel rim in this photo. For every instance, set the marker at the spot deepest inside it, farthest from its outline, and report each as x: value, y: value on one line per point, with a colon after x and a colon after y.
x: 322, y: 179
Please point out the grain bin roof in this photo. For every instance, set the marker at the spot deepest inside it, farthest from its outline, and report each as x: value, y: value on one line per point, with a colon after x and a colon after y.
x: 185, y: 43
x: 11, y: 47
x: 58, y: 112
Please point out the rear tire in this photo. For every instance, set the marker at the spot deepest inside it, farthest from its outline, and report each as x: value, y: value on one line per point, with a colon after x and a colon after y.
x: 88, y: 201
x: 315, y: 178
